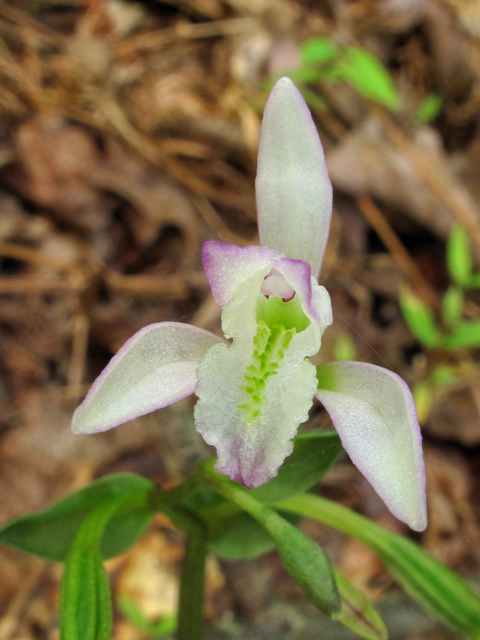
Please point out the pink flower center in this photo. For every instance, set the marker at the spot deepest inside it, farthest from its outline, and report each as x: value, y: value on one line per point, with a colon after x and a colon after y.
x: 276, y: 285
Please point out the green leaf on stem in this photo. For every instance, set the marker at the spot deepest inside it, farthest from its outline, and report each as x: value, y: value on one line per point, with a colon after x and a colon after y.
x: 420, y: 319
x: 444, y: 594
x: 86, y: 609
x: 240, y: 537
x: 464, y: 336
x: 474, y: 281
x: 303, y: 558
x: 234, y: 534
x: 452, y: 305
x: 459, y: 256
x: 357, y: 612
x: 161, y: 629
x: 50, y: 533
x: 313, y: 100
x: 428, y: 109
x: 441, y: 376
x: 423, y: 396
x: 368, y: 76
x: 318, y: 50
x: 312, y: 456
x: 344, y: 348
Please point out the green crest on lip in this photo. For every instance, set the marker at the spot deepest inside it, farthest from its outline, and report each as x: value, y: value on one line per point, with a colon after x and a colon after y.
x: 269, y: 346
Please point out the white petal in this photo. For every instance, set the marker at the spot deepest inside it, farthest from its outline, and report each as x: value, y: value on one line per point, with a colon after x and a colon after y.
x: 374, y: 413
x: 227, y: 266
x: 153, y: 369
x: 294, y: 193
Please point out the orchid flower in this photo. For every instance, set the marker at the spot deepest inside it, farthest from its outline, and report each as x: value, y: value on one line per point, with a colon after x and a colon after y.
x: 256, y: 386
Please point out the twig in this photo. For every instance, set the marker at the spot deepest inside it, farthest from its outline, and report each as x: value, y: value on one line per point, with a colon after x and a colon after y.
x: 215, y: 222
x: 208, y: 314
x: 455, y: 202
x: 20, y: 285
x: 388, y: 236
x: 173, y: 287
x: 32, y: 256
x: 11, y: 616
x: 78, y: 358
x: 146, y: 42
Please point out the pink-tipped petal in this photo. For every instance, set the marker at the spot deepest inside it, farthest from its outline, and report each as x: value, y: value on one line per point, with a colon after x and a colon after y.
x: 293, y: 190
x: 228, y: 266
x: 374, y: 413
x: 153, y: 369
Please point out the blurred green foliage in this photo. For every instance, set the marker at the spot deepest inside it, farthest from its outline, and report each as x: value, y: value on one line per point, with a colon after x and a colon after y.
x: 451, y: 331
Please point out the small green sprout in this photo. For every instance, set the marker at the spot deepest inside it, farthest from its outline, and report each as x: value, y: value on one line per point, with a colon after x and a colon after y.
x: 155, y: 630
x: 428, y: 109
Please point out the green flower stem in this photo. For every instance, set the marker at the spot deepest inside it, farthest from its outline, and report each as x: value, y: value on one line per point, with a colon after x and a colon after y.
x: 160, y: 498
x: 303, y: 558
x: 234, y: 492
x: 190, y: 608
x: 336, y: 516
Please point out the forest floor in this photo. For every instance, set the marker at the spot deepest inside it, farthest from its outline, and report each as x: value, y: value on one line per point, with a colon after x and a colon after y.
x: 128, y: 137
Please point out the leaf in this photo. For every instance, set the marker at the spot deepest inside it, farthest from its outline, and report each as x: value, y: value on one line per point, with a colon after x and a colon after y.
x: 422, y: 394
x: 428, y: 109
x: 420, y: 319
x: 85, y: 609
x: 232, y: 533
x: 464, y: 336
x: 318, y: 50
x: 345, y: 349
x: 368, y: 76
x: 444, y: 594
x: 241, y: 538
x: 452, y: 305
x: 313, y: 100
x: 238, y: 536
x: 303, y: 558
x: 357, y: 612
x: 313, y: 455
x: 442, y: 375
x: 161, y: 629
x: 473, y: 281
x: 50, y: 533
x: 459, y: 257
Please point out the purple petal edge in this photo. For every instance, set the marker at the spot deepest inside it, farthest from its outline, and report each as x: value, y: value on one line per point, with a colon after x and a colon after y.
x: 227, y: 266
x: 418, y: 522
x: 194, y: 342
x: 294, y: 209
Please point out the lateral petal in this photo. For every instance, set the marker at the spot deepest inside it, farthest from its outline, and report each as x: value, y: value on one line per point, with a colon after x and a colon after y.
x: 374, y: 413
x: 153, y: 369
x: 293, y: 190
x: 228, y: 266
